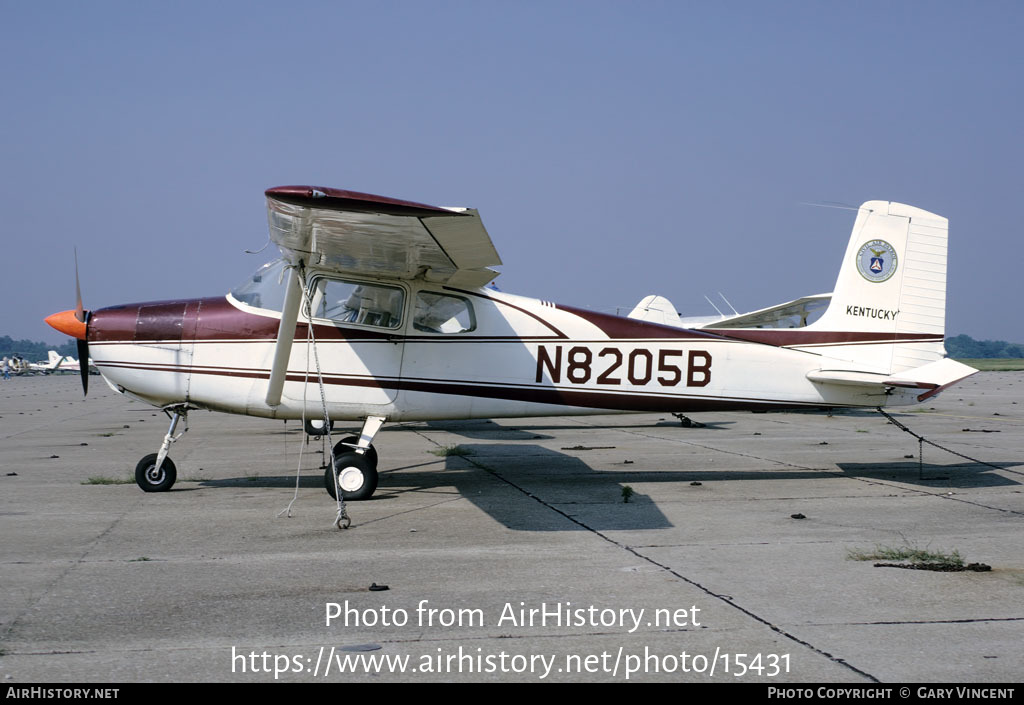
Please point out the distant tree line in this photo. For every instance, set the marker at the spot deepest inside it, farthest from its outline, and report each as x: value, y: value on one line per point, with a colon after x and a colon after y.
x: 33, y: 351
x: 964, y: 346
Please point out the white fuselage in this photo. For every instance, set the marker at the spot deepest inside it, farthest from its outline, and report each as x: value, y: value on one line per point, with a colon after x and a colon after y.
x: 522, y: 357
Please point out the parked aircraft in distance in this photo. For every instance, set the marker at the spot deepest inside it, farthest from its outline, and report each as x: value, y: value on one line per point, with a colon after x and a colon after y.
x: 53, y: 363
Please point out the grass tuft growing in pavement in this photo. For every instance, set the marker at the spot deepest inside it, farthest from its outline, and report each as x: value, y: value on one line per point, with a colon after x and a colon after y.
x: 911, y: 556
x: 445, y: 451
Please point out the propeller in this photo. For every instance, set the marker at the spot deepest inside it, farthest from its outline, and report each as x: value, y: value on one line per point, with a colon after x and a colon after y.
x: 75, y: 323
x: 82, y: 343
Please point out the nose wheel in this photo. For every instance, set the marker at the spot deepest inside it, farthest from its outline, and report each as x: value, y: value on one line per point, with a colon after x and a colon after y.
x: 156, y: 472
x: 153, y: 479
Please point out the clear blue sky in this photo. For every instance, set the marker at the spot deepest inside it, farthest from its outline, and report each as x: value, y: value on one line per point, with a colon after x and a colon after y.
x: 614, y: 149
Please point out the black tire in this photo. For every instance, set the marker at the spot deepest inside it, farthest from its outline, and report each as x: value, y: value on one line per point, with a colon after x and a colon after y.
x: 150, y: 480
x: 341, y: 447
x: 357, y: 478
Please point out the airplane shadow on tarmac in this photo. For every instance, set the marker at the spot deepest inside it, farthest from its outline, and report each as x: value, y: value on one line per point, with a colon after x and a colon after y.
x: 527, y: 487
x: 961, y: 475
x: 553, y: 489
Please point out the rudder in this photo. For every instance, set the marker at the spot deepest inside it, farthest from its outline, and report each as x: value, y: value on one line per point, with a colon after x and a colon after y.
x: 893, y: 283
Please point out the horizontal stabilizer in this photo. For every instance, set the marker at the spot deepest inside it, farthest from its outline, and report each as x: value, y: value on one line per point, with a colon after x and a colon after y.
x: 933, y: 377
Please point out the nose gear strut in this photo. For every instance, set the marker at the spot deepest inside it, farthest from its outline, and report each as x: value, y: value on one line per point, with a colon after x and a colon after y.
x: 156, y: 472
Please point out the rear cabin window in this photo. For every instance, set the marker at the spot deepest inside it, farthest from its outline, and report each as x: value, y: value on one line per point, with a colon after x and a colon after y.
x: 442, y: 313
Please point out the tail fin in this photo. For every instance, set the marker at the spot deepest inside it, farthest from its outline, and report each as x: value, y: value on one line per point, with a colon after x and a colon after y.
x: 892, y: 285
x: 55, y: 359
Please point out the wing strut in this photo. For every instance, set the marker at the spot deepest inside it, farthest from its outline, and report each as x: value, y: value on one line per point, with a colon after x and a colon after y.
x: 285, y: 336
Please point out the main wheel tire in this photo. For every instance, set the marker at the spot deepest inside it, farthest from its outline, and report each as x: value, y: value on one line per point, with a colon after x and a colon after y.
x: 150, y: 479
x: 357, y: 478
x: 345, y: 446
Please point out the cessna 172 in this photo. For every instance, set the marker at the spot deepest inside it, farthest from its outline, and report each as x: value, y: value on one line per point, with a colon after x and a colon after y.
x: 389, y: 297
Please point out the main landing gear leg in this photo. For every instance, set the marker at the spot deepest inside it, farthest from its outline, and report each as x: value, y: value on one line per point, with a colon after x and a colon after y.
x: 355, y: 461
x: 156, y: 472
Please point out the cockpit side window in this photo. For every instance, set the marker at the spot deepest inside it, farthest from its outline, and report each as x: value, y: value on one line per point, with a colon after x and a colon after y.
x: 357, y: 302
x: 443, y: 313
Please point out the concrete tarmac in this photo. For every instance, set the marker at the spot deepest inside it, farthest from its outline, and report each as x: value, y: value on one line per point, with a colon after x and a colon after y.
x: 508, y: 550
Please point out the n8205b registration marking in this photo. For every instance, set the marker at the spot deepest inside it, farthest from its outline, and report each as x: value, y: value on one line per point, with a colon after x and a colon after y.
x: 613, y: 366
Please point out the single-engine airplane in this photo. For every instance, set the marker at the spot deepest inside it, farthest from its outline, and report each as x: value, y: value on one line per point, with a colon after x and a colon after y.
x: 377, y: 311
x: 54, y: 362
x: 57, y: 362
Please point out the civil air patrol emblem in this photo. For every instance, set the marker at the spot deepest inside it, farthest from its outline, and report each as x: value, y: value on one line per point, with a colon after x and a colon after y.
x: 876, y: 261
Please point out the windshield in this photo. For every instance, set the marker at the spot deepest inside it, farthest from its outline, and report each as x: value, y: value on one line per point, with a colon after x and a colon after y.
x: 265, y: 288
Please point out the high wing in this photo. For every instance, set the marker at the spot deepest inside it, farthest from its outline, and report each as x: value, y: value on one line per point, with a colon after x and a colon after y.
x: 359, y: 233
